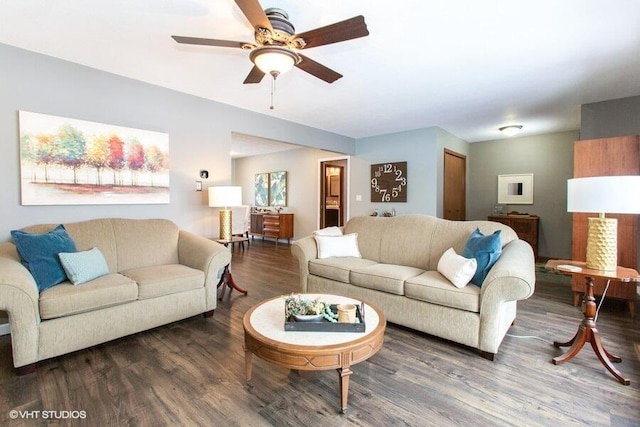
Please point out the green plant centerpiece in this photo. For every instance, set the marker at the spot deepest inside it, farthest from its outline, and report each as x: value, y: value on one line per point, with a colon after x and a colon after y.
x: 301, y: 305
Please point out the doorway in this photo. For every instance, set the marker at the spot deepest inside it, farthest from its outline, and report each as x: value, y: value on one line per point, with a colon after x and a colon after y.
x: 332, y: 193
x: 454, y: 205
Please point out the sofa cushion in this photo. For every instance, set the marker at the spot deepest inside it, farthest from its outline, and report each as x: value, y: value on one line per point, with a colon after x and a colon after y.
x: 456, y: 268
x: 384, y: 277
x: 338, y: 246
x: 39, y: 254
x: 105, y: 291
x: 337, y: 269
x: 84, y: 265
x: 432, y: 287
x: 145, y: 242
x: 486, y: 250
x: 165, y: 279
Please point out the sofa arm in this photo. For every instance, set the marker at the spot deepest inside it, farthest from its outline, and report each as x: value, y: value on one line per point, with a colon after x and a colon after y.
x: 517, y: 265
x: 19, y: 298
x: 304, y: 250
x: 206, y: 255
x: 512, y: 278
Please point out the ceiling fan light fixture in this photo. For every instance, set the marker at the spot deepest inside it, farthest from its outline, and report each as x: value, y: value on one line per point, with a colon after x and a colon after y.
x: 274, y: 60
x: 510, y: 130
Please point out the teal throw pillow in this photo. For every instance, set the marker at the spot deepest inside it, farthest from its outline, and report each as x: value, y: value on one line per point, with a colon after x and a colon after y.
x: 39, y: 254
x: 84, y: 266
x: 486, y: 250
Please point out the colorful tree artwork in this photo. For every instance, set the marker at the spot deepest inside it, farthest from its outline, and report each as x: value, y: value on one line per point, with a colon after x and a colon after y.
x: 75, y: 162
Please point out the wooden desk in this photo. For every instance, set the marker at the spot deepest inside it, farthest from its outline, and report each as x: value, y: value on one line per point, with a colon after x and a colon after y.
x: 587, y: 332
x: 525, y: 226
x: 276, y: 225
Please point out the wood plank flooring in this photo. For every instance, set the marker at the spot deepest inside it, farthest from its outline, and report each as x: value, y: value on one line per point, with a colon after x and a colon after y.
x: 191, y: 373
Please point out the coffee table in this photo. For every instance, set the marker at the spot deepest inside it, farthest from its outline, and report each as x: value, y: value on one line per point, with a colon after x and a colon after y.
x: 264, y: 336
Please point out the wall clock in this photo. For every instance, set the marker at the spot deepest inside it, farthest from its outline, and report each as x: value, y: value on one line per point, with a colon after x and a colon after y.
x: 389, y: 182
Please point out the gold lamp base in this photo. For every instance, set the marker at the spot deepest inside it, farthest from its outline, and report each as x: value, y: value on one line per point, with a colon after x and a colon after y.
x: 225, y: 224
x: 602, y: 244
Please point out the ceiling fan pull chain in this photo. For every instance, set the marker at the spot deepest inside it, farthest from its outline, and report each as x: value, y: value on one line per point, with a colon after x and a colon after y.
x: 273, y: 88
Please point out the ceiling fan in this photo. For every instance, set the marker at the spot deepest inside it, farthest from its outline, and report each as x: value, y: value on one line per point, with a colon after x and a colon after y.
x: 276, y: 47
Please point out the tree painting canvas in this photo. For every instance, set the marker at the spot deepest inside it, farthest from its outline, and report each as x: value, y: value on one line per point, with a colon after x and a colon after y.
x: 75, y: 162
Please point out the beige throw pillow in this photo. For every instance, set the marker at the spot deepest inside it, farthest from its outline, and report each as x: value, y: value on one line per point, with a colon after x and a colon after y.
x: 328, y: 231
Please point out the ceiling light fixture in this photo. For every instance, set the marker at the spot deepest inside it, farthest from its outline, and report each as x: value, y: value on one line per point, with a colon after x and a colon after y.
x: 274, y: 60
x: 510, y: 130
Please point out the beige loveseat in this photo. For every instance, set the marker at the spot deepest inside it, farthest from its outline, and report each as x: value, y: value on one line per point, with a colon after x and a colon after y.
x: 157, y: 274
x: 398, y: 273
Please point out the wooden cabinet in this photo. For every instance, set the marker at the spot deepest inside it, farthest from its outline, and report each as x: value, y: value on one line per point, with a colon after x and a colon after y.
x: 607, y: 157
x: 274, y: 225
x: 525, y: 226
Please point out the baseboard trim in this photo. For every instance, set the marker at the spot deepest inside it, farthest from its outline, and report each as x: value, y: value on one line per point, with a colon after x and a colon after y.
x: 4, y: 329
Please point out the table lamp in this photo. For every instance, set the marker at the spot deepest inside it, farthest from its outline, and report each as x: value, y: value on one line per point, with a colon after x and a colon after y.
x: 603, y: 194
x: 225, y: 197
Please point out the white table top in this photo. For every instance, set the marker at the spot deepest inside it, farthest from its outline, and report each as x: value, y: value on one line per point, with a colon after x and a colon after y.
x: 268, y: 320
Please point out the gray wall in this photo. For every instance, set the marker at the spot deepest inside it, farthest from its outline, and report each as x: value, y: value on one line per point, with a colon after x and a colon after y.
x: 617, y: 117
x: 303, y: 185
x: 423, y: 150
x: 199, y: 135
x: 550, y: 158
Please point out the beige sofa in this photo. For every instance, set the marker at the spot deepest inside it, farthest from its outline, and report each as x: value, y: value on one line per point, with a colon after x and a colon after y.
x: 157, y: 274
x: 398, y: 273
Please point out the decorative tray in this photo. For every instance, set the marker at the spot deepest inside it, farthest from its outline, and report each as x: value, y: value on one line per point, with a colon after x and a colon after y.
x: 323, y: 325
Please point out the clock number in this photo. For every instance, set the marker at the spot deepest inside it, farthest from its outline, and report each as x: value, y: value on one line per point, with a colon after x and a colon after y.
x: 389, y: 182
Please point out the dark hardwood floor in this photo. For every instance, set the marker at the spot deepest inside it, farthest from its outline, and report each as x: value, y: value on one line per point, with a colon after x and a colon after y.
x: 192, y: 372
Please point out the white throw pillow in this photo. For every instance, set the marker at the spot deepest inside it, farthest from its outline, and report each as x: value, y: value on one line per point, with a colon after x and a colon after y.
x: 456, y: 268
x: 328, y: 231
x: 338, y: 246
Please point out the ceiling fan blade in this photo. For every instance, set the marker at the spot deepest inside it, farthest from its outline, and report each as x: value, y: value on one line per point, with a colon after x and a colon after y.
x: 255, y: 75
x: 207, y: 42
x: 254, y: 13
x: 318, y: 70
x: 340, y: 31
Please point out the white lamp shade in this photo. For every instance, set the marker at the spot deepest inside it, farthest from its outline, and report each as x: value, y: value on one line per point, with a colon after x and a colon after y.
x: 225, y: 196
x: 604, y: 194
x: 273, y: 59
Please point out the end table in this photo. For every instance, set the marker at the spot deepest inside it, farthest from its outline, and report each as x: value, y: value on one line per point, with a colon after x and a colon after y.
x: 587, y: 331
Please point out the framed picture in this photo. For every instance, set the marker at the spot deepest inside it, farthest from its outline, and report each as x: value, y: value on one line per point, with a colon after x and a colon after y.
x: 278, y: 188
x: 262, y: 189
x: 66, y: 161
x: 515, y: 189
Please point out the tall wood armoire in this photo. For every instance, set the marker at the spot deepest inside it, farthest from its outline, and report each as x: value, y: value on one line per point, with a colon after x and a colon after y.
x: 608, y: 157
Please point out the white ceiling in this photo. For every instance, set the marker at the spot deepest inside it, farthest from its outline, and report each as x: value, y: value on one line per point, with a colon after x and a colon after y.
x: 467, y: 66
